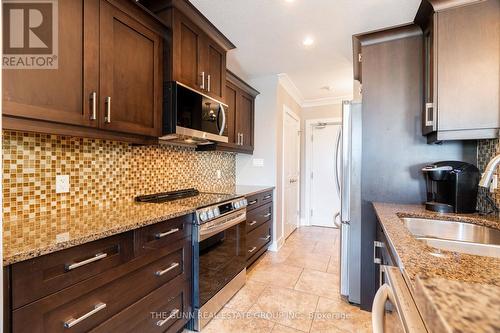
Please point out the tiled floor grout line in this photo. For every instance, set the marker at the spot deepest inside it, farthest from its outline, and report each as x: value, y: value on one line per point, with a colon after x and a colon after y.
x: 314, y: 314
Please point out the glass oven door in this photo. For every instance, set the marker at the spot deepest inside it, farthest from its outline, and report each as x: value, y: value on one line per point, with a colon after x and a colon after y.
x: 221, y: 257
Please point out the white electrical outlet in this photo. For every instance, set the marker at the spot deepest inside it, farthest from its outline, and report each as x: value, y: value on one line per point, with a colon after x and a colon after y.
x: 258, y: 162
x: 62, y: 183
x: 219, y: 174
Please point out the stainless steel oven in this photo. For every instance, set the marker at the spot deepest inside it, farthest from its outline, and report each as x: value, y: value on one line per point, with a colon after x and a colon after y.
x: 220, y: 258
x: 192, y: 117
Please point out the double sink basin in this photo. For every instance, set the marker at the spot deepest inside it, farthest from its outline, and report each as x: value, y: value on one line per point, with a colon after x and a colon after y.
x: 455, y: 236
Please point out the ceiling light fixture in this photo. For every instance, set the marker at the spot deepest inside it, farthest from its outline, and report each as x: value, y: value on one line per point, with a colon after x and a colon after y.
x: 308, y: 41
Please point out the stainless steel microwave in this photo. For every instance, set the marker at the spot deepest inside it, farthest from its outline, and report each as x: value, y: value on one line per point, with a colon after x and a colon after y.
x: 191, y: 117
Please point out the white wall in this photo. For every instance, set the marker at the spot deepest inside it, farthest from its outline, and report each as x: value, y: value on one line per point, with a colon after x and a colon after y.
x: 316, y: 112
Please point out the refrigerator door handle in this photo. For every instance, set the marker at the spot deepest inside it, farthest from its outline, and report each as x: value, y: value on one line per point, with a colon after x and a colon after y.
x: 337, y: 148
x: 346, y: 161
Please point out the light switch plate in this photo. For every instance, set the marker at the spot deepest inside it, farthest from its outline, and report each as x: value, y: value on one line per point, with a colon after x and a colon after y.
x: 258, y: 162
x: 62, y: 183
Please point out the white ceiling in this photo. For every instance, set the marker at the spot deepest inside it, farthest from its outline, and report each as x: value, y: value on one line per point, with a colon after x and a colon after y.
x: 268, y: 35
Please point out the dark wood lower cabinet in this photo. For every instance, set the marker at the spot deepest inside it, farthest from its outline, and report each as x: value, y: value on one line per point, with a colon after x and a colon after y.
x: 147, y: 290
x: 259, y: 226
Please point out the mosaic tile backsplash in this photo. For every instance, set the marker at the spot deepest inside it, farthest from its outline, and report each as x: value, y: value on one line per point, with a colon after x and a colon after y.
x: 101, y: 172
x: 486, y: 150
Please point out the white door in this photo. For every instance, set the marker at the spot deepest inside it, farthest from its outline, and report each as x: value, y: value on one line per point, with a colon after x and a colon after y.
x: 325, y: 191
x: 291, y: 172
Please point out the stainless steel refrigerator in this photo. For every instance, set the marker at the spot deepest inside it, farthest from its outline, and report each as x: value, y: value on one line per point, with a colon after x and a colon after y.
x: 350, y: 212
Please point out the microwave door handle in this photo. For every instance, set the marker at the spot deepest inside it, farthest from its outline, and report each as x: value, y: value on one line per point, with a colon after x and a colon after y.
x: 221, y: 110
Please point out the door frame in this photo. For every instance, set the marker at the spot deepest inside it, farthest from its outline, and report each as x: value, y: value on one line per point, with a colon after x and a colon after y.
x: 308, y: 155
x: 289, y: 111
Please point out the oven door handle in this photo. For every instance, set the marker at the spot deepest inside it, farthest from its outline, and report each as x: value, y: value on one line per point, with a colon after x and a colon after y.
x: 207, y: 232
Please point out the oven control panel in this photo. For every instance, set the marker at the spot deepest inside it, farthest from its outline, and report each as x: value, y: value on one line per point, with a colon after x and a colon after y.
x: 207, y: 214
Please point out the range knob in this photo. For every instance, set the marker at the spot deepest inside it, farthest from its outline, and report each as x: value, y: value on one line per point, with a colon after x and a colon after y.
x: 203, y: 216
x: 216, y: 211
x: 210, y: 213
x: 236, y: 204
x: 243, y: 203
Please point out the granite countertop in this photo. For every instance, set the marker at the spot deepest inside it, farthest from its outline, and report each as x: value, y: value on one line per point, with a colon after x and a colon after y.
x: 26, y: 239
x: 454, y: 293
x: 248, y: 190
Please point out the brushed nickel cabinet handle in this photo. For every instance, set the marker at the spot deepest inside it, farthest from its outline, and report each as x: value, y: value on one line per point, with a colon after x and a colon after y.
x: 242, y: 139
x: 269, y: 196
x: 166, y: 270
x: 252, y: 223
x: 253, y: 202
x: 267, y: 215
x: 252, y: 249
x: 266, y: 238
x: 93, y: 104
x: 72, y: 322
x: 202, y: 86
x: 107, y: 117
x: 163, y: 234
x: 208, y: 82
x: 173, y: 313
x: 96, y: 257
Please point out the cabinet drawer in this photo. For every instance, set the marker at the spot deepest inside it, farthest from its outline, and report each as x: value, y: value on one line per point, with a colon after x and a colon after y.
x: 166, y: 309
x: 258, y: 238
x: 41, y: 276
x: 162, y: 234
x: 90, y: 306
x: 258, y: 216
x: 259, y: 199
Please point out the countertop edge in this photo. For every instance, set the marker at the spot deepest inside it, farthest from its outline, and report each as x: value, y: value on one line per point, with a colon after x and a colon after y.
x: 27, y: 255
x: 254, y: 192
x: 428, y: 310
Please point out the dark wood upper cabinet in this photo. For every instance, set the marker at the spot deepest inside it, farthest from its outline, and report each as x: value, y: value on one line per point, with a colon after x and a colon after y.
x: 130, y: 80
x: 216, y: 69
x: 461, y: 69
x: 64, y: 94
x: 109, y: 80
x: 231, y: 100
x: 245, y: 120
x: 197, y: 57
x: 187, y: 46
x: 240, y: 98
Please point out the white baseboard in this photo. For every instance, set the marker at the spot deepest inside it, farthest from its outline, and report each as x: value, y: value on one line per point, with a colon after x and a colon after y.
x: 276, y: 245
x: 304, y: 222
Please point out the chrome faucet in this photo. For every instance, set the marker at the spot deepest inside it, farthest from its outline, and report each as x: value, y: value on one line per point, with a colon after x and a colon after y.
x: 490, y: 170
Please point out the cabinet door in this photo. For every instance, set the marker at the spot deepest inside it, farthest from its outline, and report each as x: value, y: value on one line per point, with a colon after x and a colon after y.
x: 64, y: 94
x: 231, y: 100
x: 429, y: 121
x: 187, y: 48
x: 245, y: 119
x: 216, y: 70
x: 130, y: 74
x: 468, y: 58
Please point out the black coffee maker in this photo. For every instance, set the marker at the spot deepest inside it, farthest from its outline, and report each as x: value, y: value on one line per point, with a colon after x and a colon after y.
x: 451, y: 187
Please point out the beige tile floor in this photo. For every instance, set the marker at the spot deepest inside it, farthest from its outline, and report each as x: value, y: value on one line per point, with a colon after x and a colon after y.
x: 294, y: 290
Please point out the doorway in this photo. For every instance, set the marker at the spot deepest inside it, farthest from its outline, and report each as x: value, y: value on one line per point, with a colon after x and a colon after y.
x: 291, y: 171
x: 323, y: 160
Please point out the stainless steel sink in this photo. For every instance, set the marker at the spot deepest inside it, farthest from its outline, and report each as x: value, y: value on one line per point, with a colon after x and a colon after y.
x: 456, y: 236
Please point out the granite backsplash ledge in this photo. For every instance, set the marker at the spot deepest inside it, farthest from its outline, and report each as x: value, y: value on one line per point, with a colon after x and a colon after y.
x: 100, y: 171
